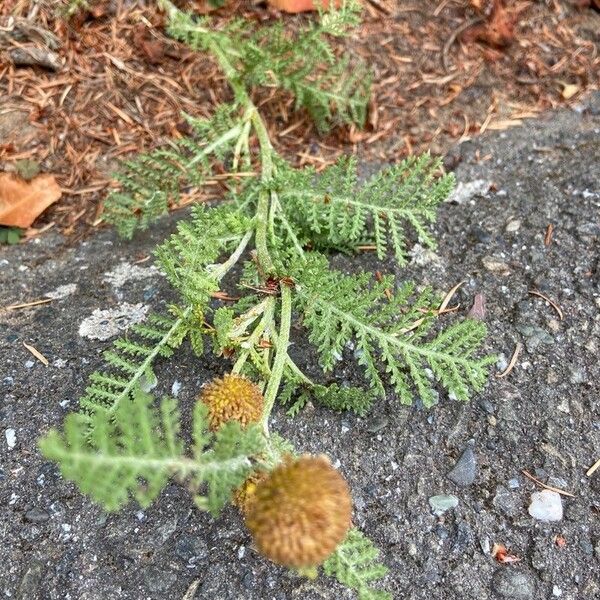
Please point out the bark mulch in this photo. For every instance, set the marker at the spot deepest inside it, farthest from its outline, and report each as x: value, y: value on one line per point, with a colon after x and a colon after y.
x: 107, y: 83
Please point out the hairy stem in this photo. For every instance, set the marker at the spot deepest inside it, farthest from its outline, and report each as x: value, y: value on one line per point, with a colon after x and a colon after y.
x: 263, y: 208
x: 264, y: 323
x: 281, y: 355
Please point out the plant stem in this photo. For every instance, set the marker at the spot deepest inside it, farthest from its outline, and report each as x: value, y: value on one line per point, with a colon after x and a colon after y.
x: 263, y: 208
x: 255, y: 335
x: 222, y: 269
x: 281, y: 356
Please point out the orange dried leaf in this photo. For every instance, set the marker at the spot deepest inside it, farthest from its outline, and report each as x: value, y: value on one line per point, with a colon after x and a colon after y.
x: 21, y: 202
x: 500, y: 553
x: 297, y: 6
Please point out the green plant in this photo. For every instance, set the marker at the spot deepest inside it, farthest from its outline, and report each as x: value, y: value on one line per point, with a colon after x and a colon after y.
x: 278, y: 229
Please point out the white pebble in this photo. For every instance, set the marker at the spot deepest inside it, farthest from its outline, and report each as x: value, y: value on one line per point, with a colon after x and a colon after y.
x: 546, y: 506
x: 11, y: 438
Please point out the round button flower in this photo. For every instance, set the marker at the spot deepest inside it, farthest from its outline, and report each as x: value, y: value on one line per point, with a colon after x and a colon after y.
x: 300, y: 512
x: 232, y: 398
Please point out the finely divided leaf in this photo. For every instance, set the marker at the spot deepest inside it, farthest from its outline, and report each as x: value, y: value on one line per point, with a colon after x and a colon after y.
x: 354, y: 564
x: 131, y: 362
x: 134, y: 454
x: 342, y: 311
x: 332, y: 210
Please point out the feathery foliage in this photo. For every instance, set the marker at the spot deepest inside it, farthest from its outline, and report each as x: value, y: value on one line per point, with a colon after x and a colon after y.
x: 198, y: 243
x: 153, y: 181
x: 120, y: 446
x: 131, y: 362
x: 334, y: 211
x: 333, y: 396
x: 136, y: 453
x: 340, y: 310
x: 354, y: 563
x: 303, y: 63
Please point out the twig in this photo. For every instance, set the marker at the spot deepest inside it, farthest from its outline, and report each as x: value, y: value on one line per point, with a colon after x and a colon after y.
x: 513, y: 361
x: 28, y: 304
x: 550, y: 302
x: 593, y: 468
x: 545, y: 486
x: 375, y: 4
x: 37, y: 354
x: 454, y: 35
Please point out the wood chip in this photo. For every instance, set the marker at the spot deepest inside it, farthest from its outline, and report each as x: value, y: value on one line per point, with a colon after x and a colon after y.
x: 35, y: 57
x: 593, y: 468
x: 37, y: 354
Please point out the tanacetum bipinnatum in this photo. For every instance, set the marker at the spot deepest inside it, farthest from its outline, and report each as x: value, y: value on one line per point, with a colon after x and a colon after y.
x: 232, y: 398
x: 300, y: 512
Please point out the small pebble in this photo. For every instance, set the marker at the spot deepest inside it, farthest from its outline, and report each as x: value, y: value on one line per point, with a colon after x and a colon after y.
x: 465, y: 469
x: 512, y: 584
x: 37, y: 515
x: 546, y: 506
x: 442, y: 503
x: 11, y: 438
x: 513, y: 226
x: 377, y: 424
x: 495, y: 266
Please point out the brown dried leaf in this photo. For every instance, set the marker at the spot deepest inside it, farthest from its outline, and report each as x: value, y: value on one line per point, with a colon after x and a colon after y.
x: 498, y: 31
x: 21, y: 202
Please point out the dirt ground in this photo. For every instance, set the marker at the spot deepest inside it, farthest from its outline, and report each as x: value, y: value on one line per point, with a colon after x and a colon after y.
x: 123, y: 85
x: 543, y: 417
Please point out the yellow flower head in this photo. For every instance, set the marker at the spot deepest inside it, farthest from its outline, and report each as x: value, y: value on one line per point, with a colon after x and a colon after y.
x: 300, y: 512
x: 232, y: 398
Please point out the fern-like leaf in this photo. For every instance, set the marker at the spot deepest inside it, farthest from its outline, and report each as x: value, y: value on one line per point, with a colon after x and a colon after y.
x: 334, y: 397
x: 354, y: 564
x: 198, y: 243
x: 152, y: 181
x: 343, y: 311
x: 131, y: 362
x: 332, y: 210
x: 231, y: 446
x: 304, y: 64
x: 135, y: 454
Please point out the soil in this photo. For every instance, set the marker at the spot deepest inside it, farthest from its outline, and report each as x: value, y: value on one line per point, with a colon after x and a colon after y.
x: 543, y: 417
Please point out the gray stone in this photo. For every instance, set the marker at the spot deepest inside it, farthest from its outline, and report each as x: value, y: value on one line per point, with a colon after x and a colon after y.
x: 535, y: 336
x: 191, y: 548
x: 442, y: 503
x: 159, y: 580
x: 507, y: 502
x: 31, y: 581
x: 465, y: 470
x: 377, y: 423
x: 37, y: 515
x: 513, y: 585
